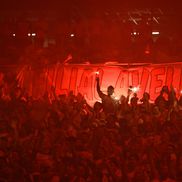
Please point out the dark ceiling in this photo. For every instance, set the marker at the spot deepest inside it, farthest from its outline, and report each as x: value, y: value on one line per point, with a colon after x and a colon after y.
x: 87, y: 4
x: 161, y: 16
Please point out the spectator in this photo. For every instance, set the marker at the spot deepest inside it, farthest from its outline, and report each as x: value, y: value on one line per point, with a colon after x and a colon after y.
x: 108, y: 102
x: 60, y: 138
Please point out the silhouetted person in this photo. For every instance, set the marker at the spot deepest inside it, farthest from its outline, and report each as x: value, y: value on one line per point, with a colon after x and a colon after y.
x: 161, y: 101
x: 109, y: 103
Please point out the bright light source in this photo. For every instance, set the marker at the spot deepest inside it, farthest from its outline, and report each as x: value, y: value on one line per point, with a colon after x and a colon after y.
x: 155, y: 33
x: 135, y: 33
x: 97, y: 72
x: 116, y: 98
x: 29, y: 34
x: 33, y: 34
x: 135, y: 89
x: 14, y: 35
x: 181, y: 92
x: 72, y: 35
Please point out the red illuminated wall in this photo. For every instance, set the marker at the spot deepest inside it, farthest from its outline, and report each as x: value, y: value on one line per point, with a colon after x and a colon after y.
x: 81, y: 78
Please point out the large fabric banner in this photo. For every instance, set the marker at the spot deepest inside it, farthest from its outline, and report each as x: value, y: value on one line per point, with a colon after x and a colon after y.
x: 81, y: 79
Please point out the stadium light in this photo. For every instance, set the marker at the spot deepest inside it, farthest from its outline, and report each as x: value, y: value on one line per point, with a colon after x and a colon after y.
x: 135, y: 89
x: 155, y: 33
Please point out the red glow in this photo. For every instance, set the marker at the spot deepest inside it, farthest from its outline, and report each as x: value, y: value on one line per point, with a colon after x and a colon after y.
x: 147, y: 52
x: 79, y: 78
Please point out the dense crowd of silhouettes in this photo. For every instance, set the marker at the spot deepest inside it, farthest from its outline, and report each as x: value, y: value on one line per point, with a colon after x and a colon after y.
x: 61, y: 138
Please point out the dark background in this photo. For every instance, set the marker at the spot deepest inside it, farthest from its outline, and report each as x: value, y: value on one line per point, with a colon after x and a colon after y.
x: 103, y: 31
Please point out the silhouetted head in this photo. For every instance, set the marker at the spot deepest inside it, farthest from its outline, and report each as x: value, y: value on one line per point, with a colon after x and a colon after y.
x: 97, y: 106
x: 146, y: 97
x: 110, y: 90
x: 165, y: 89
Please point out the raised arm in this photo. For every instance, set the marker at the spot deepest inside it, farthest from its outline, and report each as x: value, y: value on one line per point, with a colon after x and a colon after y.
x: 128, y: 95
x: 101, y: 94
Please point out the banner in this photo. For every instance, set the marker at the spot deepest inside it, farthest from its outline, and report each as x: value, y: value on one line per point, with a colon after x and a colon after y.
x: 81, y: 79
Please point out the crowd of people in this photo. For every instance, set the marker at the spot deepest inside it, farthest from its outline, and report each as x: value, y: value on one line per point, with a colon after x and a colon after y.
x: 64, y: 139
